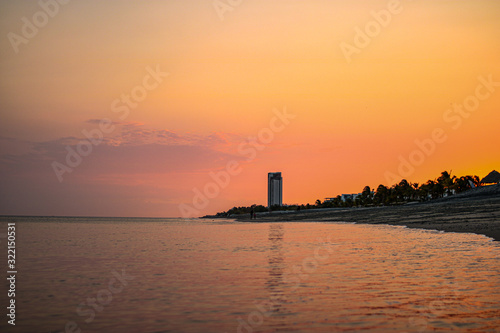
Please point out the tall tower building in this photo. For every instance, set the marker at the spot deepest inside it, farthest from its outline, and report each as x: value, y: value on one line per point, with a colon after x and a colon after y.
x: 274, y: 189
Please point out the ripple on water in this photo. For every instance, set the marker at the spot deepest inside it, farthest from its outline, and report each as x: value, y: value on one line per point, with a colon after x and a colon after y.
x: 266, y: 277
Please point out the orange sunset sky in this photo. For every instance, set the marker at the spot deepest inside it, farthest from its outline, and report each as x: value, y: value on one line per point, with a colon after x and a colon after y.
x: 357, y: 103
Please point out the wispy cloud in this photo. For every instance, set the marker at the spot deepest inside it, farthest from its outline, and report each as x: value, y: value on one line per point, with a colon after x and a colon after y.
x: 131, y: 156
x: 133, y: 147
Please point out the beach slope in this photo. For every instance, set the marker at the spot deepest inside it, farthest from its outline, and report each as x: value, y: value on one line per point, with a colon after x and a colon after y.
x: 474, y: 211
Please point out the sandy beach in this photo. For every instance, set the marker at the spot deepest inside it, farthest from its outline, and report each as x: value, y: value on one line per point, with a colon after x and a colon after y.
x: 474, y: 211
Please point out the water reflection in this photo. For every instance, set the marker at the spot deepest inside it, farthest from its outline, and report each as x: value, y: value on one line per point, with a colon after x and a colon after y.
x: 275, y: 283
x: 237, y: 277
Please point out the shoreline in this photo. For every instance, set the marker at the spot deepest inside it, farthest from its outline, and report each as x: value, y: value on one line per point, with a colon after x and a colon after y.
x: 476, y: 211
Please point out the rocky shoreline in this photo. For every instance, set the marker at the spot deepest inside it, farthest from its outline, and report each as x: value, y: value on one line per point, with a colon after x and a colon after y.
x: 474, y: 211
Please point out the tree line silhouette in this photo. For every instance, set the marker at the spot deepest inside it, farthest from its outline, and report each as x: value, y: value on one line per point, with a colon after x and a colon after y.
x: 397, y: 194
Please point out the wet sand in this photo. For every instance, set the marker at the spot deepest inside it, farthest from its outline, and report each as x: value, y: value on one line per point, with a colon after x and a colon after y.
x: 475, y: 211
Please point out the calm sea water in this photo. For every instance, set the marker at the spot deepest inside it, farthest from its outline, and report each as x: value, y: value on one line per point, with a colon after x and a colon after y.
x: 168, y: 275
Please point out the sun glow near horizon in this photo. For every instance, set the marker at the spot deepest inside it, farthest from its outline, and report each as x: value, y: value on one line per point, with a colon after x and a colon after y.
x: 354, y: 118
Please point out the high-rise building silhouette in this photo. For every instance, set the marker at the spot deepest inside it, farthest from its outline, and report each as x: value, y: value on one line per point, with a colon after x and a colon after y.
x: 274, y: 189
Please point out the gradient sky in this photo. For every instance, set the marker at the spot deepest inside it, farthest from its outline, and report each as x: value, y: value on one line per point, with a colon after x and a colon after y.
x: 353, y: 119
